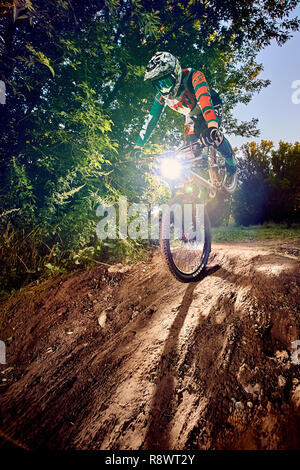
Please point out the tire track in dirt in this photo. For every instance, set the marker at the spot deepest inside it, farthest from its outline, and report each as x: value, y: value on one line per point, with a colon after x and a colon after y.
x: 173, y: 366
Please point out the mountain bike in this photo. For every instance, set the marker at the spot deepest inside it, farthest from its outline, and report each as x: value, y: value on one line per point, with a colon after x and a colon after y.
x: 194, y: 176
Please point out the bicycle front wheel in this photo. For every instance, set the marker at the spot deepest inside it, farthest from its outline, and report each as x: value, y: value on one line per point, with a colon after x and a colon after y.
x: 185, y: 243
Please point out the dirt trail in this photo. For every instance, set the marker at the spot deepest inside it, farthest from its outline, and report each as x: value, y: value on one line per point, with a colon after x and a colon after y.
x: 137, y: 360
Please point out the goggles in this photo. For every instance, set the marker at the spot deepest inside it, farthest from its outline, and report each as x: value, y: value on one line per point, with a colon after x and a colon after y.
x: 164, y: 84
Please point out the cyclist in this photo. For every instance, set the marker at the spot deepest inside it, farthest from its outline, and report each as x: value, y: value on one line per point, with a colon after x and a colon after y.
x: 187, y: 92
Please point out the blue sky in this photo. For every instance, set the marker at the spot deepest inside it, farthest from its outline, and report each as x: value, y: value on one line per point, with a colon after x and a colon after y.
x: 279, y: 118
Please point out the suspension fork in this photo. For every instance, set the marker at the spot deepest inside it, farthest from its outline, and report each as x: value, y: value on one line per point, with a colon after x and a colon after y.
x: 213, y: 168
x: 214, y: 182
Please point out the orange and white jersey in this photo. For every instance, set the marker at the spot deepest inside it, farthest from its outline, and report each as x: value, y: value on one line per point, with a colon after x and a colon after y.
x: 194, y: 98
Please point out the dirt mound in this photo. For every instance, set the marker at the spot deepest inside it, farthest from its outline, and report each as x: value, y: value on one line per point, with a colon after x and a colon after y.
x: 133, y: 359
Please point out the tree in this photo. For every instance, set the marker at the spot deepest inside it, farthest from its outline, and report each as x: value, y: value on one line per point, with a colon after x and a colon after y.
x: 284, y: 201
x: 251, y: 197
x: 269, y: 184
x: 76, y: 97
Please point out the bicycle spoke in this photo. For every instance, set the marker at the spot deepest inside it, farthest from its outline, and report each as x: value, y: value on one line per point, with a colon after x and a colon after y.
x: 187, y: 252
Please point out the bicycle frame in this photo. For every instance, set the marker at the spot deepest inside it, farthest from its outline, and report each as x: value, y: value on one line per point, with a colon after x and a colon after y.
x: 187, y: 257
x: 214, y: 183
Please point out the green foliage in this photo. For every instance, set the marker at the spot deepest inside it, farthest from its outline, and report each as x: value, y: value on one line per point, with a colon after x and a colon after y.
x: 269, y: 186
x: 267, y: 231
x: 76, y: 100
x: 284, y: 203
x: 21, y: 192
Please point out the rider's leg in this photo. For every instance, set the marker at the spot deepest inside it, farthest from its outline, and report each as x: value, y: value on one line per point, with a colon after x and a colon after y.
x: 225, y: 148
x: 190, y: 136
x: 227, y: 153
x: 189, y: 131
x: 195, y: 128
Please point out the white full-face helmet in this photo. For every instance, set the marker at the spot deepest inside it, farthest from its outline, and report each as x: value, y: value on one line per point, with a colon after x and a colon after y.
x: 165, y: 73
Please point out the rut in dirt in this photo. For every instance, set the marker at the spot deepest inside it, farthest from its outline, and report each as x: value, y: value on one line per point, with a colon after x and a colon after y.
x: 129, y: 358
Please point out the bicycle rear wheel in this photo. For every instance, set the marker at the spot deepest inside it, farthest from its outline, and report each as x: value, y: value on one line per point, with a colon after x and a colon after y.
x: 186, y: 245
x: 218, y: 174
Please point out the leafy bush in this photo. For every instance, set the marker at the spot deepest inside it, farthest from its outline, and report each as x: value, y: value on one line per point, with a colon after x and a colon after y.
x: 269, y: 184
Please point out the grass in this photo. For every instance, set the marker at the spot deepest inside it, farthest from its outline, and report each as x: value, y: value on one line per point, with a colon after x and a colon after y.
x: 232, y: 233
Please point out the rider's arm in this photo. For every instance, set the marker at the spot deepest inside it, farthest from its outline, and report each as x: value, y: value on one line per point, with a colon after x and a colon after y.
x: 151, y: 120
x: 204, y: 100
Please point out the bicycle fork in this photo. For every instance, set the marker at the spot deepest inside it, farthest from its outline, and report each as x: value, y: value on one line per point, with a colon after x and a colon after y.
x: 214, y: 184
